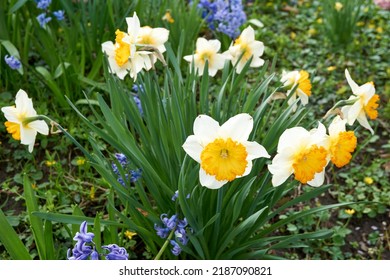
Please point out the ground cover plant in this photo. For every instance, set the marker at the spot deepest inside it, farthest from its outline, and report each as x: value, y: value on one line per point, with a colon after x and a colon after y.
x: 194, y: 130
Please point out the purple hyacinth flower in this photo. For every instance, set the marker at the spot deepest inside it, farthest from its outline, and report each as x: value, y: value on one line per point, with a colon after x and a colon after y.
x: 169, y: 223
x: 116, y: 252
x: 83, y: 235
x: 13, y: 62
x: 161, y: 231
x: 80, y: 252
x: 43, y: 4
x: 139, y: 105
x: 42, y: 19
x: 175, y: 196
x: 60, y: 15
x: 176, y: 250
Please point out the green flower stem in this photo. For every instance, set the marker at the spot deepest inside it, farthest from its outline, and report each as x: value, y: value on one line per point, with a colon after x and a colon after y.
x: 63, y: 130
x: 158, y: 256
x: 339, y: 104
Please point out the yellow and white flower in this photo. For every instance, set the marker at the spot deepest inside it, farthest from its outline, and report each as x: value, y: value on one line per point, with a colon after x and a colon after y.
x: 207, y: 50
x: 224, y: 152
x: 302, y: 153
x: 300, y: 80
x: 123, y: 56
x: 18, y: 123
x: 155, y: 37
x: 365, y: 103
x: 341, y: 142
x: 245, y: 47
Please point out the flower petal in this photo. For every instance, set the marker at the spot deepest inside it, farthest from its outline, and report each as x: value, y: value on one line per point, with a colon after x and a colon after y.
x: 255, y: 150
x: 205, y: 129
x: 318, y: 179
x: 193, y: 148
x: 237, y: 128
x: 280, y: 169
x: 40, y: 126
x: 362, y: 119
x: 209, y: 181
x: 351, y: 82
x: 27, y: 135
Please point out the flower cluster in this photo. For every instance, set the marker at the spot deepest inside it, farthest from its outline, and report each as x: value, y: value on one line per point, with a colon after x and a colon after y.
x: 130, y: 175
x: 243, y: 49
x: 13, y: 62
x: 180, y: 231
x: 307, y: 153
x: 85, y: 248
x: 44, y: 17
x: 223, y: 16
x: 134, y: 50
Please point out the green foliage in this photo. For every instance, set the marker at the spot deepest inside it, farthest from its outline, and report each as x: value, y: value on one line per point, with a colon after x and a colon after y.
x: 340, y: 18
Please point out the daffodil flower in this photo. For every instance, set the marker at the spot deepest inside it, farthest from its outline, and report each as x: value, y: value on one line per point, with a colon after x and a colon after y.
x: 22, y: 122
x: 244, y: 48
x: 341, y: 142
x: 207, y: 50
x: 300, y: 80
x: 365, y: 103
x: 302, y: 153
x: 224, y: 152
x: 123, y: 56
x: 152, y: 37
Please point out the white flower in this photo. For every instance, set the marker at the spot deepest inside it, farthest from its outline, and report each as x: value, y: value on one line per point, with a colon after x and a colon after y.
x: 123, y: 56
x: 302, y: 153
x: 155, y: 37
x: 300, y: 80
x: 17, y: 120
x: 224, y: 152
x: 207, y: 50
x: 365, y: 103
x: 245, y: 47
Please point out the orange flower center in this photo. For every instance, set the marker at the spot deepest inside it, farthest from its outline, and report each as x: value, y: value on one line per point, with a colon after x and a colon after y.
x: 122, y: 52
x: 341, y: 148
x: 224, y: 158
x: 304, y: 82
x: 13, y: 129
x: 371, y: 107
x: 308, y: 162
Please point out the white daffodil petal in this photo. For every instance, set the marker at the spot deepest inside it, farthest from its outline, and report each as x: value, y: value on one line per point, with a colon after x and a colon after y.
x: 353, y: 112
x: 362, y: 119
x: 27, y: 135
x: 193, y: 148
x: 11, y: 114
x: 255, y: 150
x: 40, y: 126
x: 209, y: 181
x: 205, y: 129
x: 280, y: 168
x: 318, y: 179
x: 293, y: 137
x: 351, y: 82
x: 238, y: 127
x: 247, y: 169
x: 337, y: 126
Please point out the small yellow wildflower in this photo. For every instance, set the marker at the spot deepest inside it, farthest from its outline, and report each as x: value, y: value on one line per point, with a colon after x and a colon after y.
x: 168, y: 17
x: 92, y: 193
x: 379, y: 29
x: 293, y: 35
x: 349, y: 211
x: 360, y: 23
x: 371, y: 26
x: 50, y: 163
x: 338, y: 6
x: 129, y: 234
x: 80, y: 161
x: 331, y: 68
x: 34, y: 186
x: 368, y: 180
x: 312, y: 31
x: 319, y: 21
